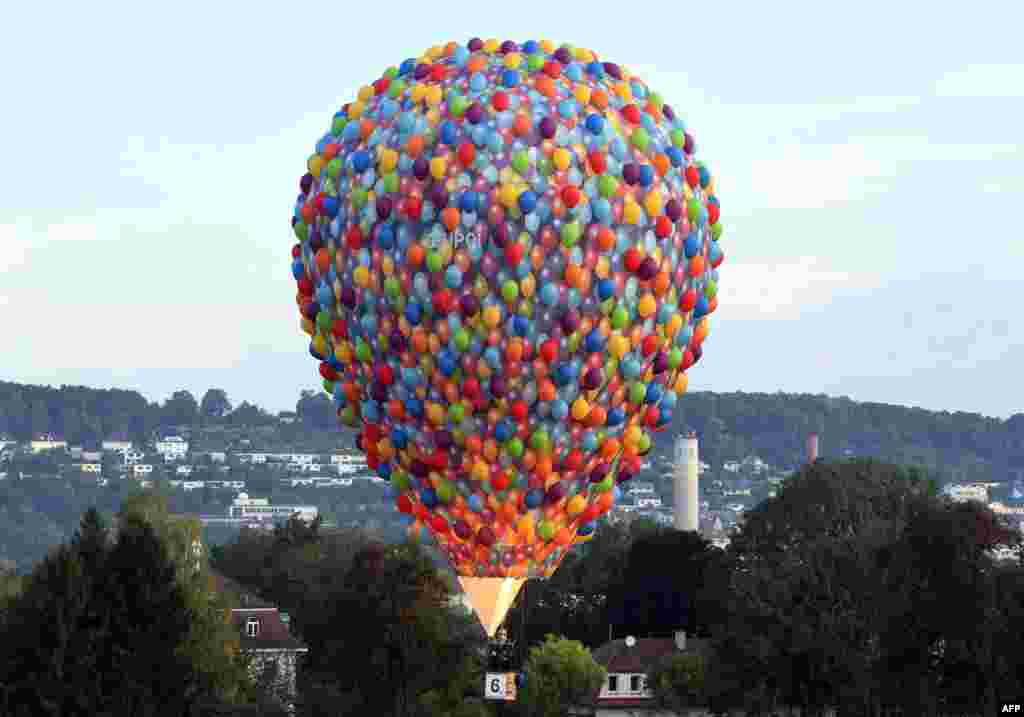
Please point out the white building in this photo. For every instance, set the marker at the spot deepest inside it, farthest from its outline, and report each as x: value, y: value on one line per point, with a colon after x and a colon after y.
x: 132, y: 457
x: 963, y: 492
x: 187, y: 485
x: 245, y: 507
x: 172, y: 447
x: 648, y: 502
x: 183, y: 470
x: 141, y: 469
x: 253, y: 458
x: 116, y: 446
x: 47, y: 442
x: 348, y: 459
x: 92, y: 467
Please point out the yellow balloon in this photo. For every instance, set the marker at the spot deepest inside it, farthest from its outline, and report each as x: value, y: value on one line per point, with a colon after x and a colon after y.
x: 438, y: 167
x: 682, y: 382
x: 388, y: 160
x: 314, y: 165
x: 631, y: 212
x: 647, y: 306
x: 435, y: 414
x: 513, y: 60
x: 492, y: 315
x: 434, y: 97
x: 365, y: 93
x: 580, y: 409
x: 652, y: 203
x: 561, y: 159
x: 361, y: 276
x: 632, y: 436
x: 344, y: 352
x: 576, y: 505
x: 618, y: 345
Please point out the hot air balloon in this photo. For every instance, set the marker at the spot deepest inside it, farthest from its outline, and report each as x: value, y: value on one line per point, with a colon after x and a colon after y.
x: 506, y: 258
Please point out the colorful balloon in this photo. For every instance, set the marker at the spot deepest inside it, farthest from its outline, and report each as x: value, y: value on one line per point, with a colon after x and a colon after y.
x: 506, y: 258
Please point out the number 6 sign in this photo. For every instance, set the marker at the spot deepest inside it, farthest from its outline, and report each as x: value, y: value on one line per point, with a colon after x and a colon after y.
x: 500, y: 686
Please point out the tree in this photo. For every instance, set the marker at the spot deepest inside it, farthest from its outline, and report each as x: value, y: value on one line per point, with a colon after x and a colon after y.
x: 81, y: 642
x: 212, y: 644
x: 181, y: 409
x: 215, y: 404
x: 314, y: 408
x: 392, y: 609
x: 560, y: 674
x: 678, y: 683
x: 650, y: 600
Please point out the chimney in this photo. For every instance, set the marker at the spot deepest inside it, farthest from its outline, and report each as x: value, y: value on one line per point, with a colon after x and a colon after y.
x: 681, y: 640
x: 685, y: 485
x: 812, y: 448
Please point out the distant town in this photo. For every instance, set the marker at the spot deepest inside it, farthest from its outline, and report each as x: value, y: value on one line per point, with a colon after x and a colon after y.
x: 725, y: 491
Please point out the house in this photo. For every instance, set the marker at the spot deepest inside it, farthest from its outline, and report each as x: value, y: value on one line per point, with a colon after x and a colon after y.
x: 263, y: 633
x: 117, y: 444
x: 132, y: 457
x: 92, y: 467
x: 628, y: 662
x: 172, y: 448
x: 47, y: 442
x: 141, y: 469
x: 252, y: 458
x: 961, y: 493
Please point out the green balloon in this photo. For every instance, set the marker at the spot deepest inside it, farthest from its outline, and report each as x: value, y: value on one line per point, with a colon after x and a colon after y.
x: 637, y: 392
x: 348, y: 416
x: 640, y: 139
x: 521, y: 161
x: 716, y: 230
x: 434, y: 262
x: 462, y: 339
x: 363, y: 352
x: 392, y: 288
x: 301, y: 230
x: 395, y: 89
x: 570, y: 233
x: 678, y: 137
x: 534, y: 62
x: 328, y: 386
x: 390, y: 183
x: 399, y: 480
x: 711, y: 290
x: 675, y: 358
x: 510, y: 290
x: 645, y: 442
x: 620, y: 317
x: 606, y: 484
x: 693, y: 209
x: 514, y: 447
x: 540, y: 441
x: 545, y: 166
x: 606, y: 185
x: 546, y: 530
x: 338, y: 125
x: 334, y: 168
x: 359, y: 197
x: 456, y: 413
x: 445, y: 492
x: 457, y: 105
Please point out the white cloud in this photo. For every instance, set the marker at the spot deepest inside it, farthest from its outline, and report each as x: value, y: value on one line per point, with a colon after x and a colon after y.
x: 975, y: 81
x: 785, y: 290
x: 143, y: 336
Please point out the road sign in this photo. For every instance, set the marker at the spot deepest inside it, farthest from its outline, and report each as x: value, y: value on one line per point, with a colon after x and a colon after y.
x: 500, y: 686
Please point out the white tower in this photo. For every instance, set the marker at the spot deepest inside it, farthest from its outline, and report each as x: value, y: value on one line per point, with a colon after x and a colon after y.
x: 685, y: 484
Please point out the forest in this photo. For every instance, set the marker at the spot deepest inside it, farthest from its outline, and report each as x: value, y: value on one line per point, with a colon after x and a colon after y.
x: 773, y: 426
x: 835, y: 594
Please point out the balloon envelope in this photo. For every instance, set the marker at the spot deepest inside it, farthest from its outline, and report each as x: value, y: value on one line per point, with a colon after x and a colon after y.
x: 506, y: 258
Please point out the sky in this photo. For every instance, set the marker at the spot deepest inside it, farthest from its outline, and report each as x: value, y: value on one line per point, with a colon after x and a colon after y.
x: 868, y: 158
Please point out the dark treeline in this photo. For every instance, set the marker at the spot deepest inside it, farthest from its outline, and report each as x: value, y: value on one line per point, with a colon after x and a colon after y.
x: 857, y: 588
x: 731, y: 425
